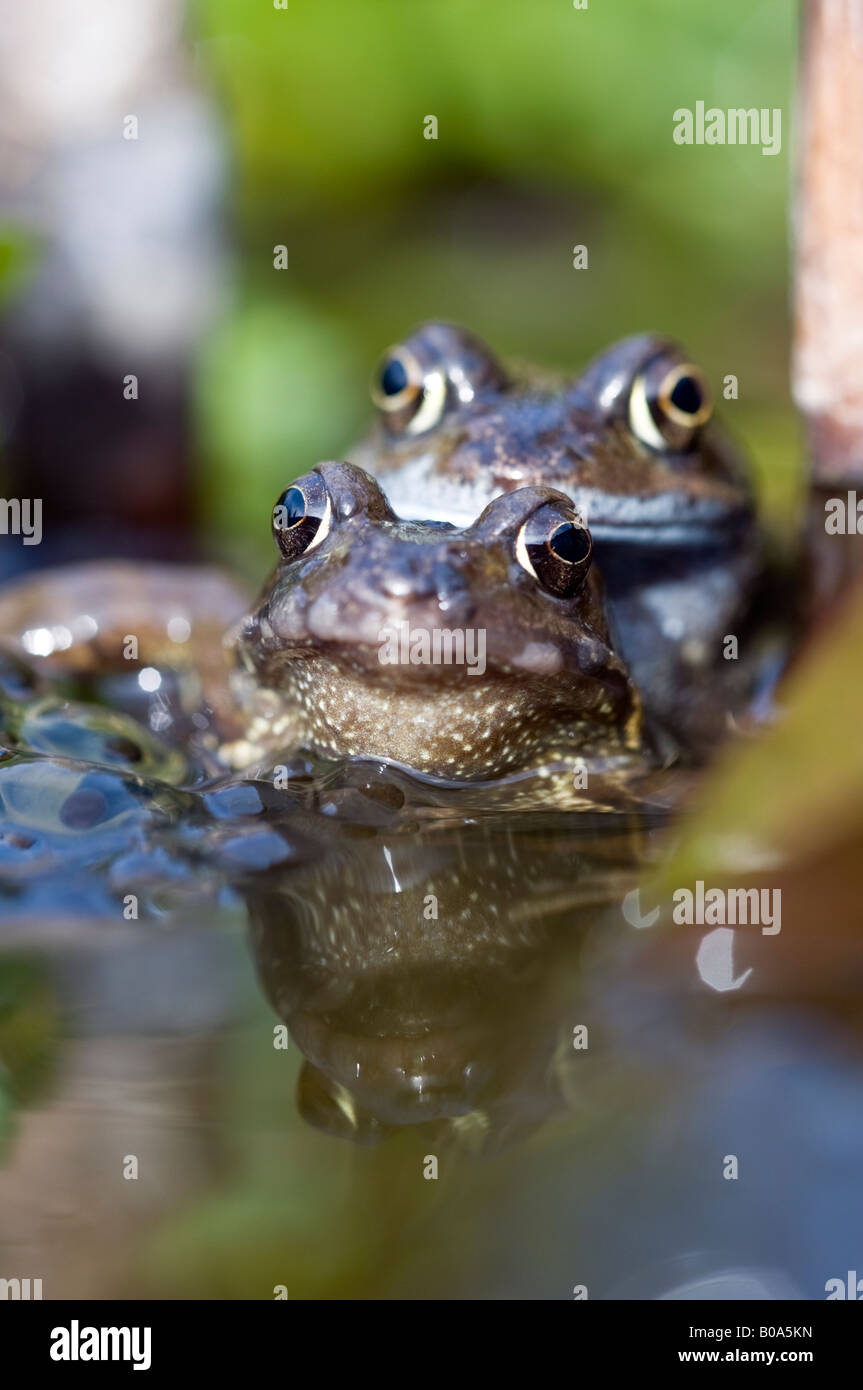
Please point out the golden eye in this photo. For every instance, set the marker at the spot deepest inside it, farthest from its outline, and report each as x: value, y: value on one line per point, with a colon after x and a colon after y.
x: 397, y: 381
x: 302, y: 516
x: 668, y: 403
x: 412, y: 400
x: 555, y: 548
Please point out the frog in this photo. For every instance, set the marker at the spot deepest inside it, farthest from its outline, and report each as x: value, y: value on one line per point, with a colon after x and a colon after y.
x: 465, y: 653
x: 633, y: 441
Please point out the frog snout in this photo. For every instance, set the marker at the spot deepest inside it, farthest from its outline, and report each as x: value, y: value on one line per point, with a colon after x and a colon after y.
x: 405, y: 582
x: 412, y: 578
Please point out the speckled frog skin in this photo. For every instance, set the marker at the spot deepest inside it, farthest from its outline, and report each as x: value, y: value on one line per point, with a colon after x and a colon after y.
x: 632, y: 443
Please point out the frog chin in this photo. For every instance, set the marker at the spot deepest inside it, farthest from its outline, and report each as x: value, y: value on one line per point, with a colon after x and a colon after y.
x: 459, y: 729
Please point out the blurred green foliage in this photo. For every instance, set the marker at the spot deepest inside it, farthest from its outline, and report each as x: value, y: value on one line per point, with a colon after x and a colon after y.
x: 17, y: 256
x: 29, y: 1029
x: 555, y: 128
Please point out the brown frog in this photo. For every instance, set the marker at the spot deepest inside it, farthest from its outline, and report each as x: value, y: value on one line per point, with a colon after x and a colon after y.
x: 462, y: 653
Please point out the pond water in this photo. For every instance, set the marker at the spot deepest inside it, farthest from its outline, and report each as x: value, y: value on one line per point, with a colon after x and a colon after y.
x: 357, y: 1038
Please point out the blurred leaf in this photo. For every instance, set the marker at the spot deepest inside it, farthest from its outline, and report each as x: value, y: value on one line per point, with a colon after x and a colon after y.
x: 268, y: 379
x: 18, y: 255
x: 328, y: 99
x: 792, y: 791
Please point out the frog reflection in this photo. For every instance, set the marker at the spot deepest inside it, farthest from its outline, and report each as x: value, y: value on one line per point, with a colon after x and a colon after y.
x: 427, y: 975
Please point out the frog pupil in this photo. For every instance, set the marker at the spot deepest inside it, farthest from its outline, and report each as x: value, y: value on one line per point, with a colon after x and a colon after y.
x: 394, y: 378
x: 686, y: 396
x: 570, y: 543
x: 294, y: 504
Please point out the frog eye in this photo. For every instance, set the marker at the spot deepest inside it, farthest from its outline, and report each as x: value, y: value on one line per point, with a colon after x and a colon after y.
x: 302, y: 516
x: 411, y: 399
x: 555, y: 548
x: 668, y: 402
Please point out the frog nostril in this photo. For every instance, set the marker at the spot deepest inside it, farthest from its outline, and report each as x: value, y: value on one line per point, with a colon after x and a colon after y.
x: 412, y: 587
x: 450, y: 585
x: 416, y: 580
x: 405, y: 573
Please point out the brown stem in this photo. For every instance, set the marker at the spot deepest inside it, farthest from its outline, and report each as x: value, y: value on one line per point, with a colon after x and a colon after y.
x: 828, y: 234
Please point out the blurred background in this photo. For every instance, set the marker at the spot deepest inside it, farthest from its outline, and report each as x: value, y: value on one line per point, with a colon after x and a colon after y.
x: 153, y: 161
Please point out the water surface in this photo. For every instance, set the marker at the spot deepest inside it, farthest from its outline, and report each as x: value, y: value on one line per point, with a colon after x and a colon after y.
x: 367, y: 1040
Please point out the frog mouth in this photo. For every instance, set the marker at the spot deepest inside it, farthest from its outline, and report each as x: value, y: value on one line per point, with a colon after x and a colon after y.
x: 427, y: 649
x: 656, y: 525
x: 673, y: 513
x: 476, y: 705
x: 663, y: 521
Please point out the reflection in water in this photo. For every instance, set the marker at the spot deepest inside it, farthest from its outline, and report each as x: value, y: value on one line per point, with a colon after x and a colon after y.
x: 413, y: 965
x: 478, y: 986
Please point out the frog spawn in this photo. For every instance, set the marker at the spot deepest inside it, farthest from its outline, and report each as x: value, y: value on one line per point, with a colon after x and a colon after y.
x: 92, y: 819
